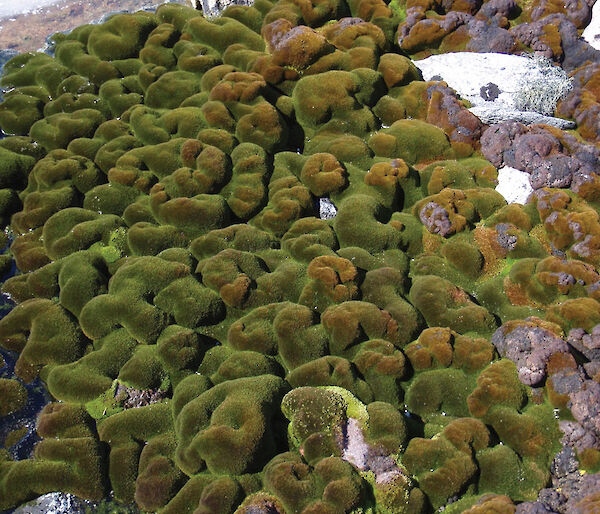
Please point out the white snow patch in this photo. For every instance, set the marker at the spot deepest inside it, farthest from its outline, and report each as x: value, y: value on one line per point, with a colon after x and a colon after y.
x: 514, y: 185
x: 502, y: 86
x: 592, y: 32
x: 22, y: 6
x: 327, y: 209
x: 468, y: 72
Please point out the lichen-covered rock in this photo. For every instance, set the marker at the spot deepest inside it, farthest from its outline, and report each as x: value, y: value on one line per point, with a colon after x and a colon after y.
x: 529, y: 345
x: 551, y: 158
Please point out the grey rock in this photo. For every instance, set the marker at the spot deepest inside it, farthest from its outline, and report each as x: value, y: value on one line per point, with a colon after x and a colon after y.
x: 592, y: 368
x: 489, y: 92
x: 532, y: 508
x: 585, y: 406
x: 587, y: 344
x: 550, y: 161
x: 567, y: 381
x: 576, y: 436
x: 490, y: 114
x: 529, y: 347
x: 54, y: 502
x: 131, y: 398
x: 489, y: 37
x: 564, y: 463
x: 504, y: 238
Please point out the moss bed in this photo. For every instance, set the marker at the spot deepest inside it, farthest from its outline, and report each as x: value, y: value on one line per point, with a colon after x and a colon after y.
x: 215, y: 346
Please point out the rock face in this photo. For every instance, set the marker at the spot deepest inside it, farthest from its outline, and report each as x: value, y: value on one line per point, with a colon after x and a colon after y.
x: 488, y: 77
x: 502, y: 87
x: 490, y: 114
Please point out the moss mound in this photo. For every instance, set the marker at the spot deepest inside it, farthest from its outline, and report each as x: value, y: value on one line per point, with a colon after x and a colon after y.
x: 216, y: 343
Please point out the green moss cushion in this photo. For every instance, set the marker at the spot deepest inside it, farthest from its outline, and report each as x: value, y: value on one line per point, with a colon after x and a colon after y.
x: 261, y: 270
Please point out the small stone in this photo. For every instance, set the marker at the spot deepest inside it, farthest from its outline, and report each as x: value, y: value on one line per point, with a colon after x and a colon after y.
x: 327, y: 210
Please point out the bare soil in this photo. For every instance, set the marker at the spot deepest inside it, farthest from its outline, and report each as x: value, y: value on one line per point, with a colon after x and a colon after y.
x: 28, y: 32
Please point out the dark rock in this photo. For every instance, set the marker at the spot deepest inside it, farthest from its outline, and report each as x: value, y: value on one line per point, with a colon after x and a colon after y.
x: 551, y: 499
x: 497, y: 139
x: 555, y: 171
x: 549, y: 161
x: 494, y: 8
x: 529, y: 347
x: 574, y: 51
x: 565, y: 462
x: 587, y: 344
x: 577, y: 437
x: 532, y: 508
x: 577, y: 11
x: 585, y: 406
x: 566, y: 381
x: 451, y: 115
x: 489, y: 92
x: 592, y: 368
x: 486, y: 37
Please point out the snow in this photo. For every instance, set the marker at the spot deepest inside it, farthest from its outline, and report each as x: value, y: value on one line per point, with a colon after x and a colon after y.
x: 11, y: 8
x: 513, y: 185
x: 468, y: 72
x: 502, y: 86
x: 592, y: 32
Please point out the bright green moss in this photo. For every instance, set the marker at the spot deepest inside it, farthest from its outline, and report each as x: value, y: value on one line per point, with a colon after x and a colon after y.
x: 412, y: 140
x: 129, y: 433
x: 14, y: 396
x: 331, y: 371
x: 104, y: 405
x: 312, y: 411
x: 502, y: 472
x: 93, y: 374
x: 442, y: 391
x: 444, y: 465
x: 177, y: 280
x: 19, y: 112
x: 443, y: 304
x: 300, y: 487
x: 230, y: 428
x: 329, y: 100
x: 58, y: 130
x: 121, y: 37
